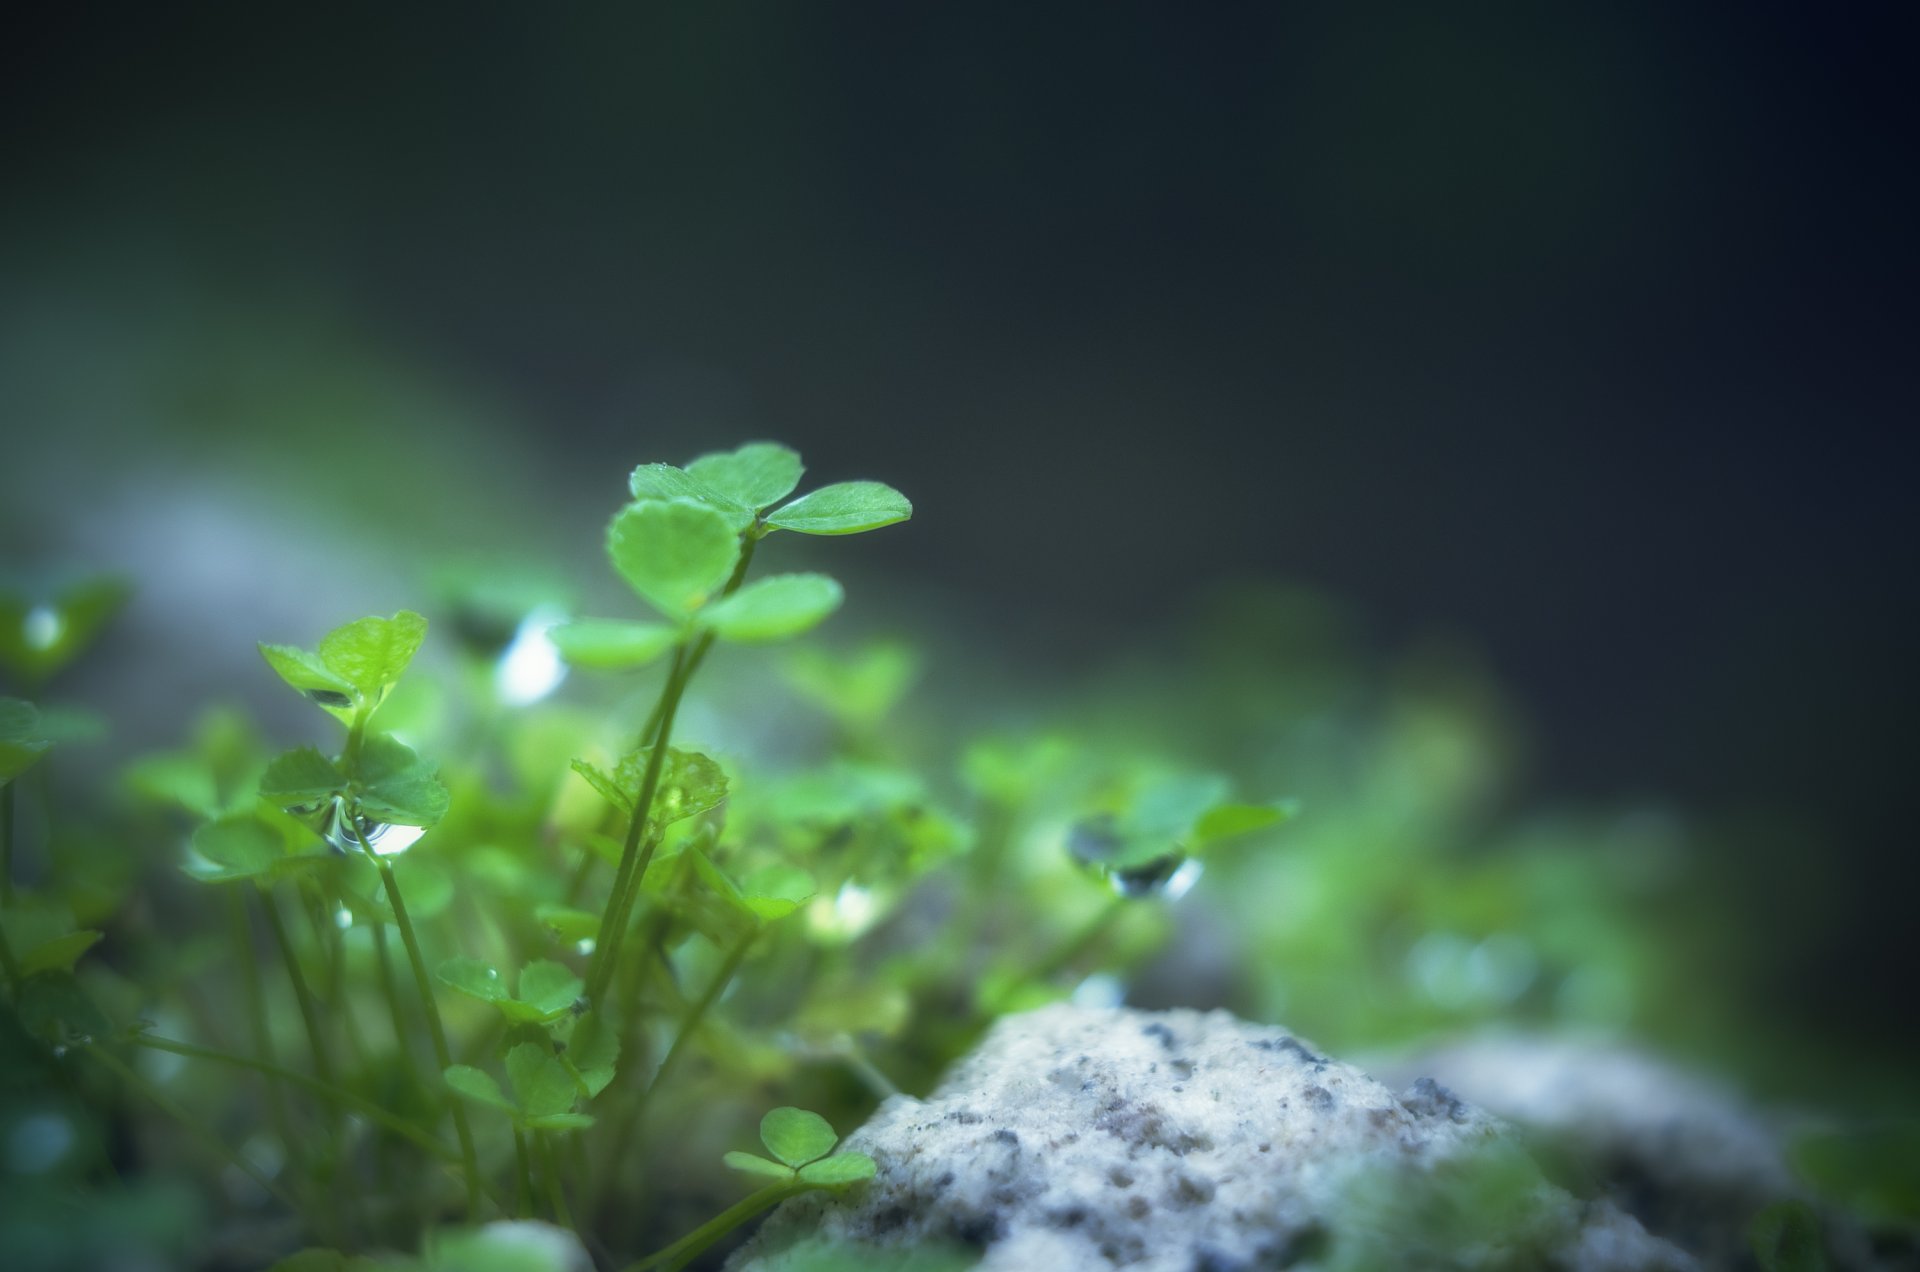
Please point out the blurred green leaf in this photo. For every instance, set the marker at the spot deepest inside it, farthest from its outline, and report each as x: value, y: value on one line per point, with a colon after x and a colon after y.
x: 474, y: 978
x: 675, y: 553
x: 546, y: 990
x: 1873, y: 1171
x: 607, y: 644
x: 239, y: 846
x: 478, y: 1086
x: 1786, y: 1238
x: 773, y: 608
x: 592, y: 1052
x: 21, y: 742
x: 846, y: 508
x: 542, y: 1085
x: 39, y: 636
x: 392, y: 784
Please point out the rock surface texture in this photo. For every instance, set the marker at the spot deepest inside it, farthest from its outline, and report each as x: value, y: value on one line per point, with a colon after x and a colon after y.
x: 1187, y: 1142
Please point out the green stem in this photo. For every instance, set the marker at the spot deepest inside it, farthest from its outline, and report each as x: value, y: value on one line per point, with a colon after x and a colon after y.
x: 343, y: 1098
x: 309, y: 1010
x: 390, y: 989
x: 550, y: 1169
x: 715, y: 988
x: 188, y: 1123
x: 634, y: 862
x: 423, y: 984
x: 6, y: 843
x: 523, y: 1193
x: 10, y: 965
x: 256, y: 996
x: 687, y: 1248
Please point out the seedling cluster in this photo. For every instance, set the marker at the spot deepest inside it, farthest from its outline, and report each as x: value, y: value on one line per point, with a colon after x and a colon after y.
x: 508, y: 965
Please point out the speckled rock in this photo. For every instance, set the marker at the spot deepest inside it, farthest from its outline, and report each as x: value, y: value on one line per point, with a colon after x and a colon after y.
x: 1677, y: 1151
x: 1177, y: 1141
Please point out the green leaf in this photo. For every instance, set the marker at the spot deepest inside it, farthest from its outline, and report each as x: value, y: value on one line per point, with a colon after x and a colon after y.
x: 478, y: 1086
x: 566, y: 922
x: 774, y: 892
x: 21, y: 741
x: 665, y: 482
x: 240, y: 846
x: 39, y: 637
x: 56, y: 1010
x: 676, y: 554
x: 1786, y: 1238
x: 754, y: 1164
x: 371, y: 653
x: 547, y: 990
x: 689, y: 783
x: 592, y: 1052
x: 59, y: 954
x: 838, y: 1170
x: 184, y: 780
x: 392, y: 784
x: 540, y: 1082
x: 301, y: 778
x: 773, y: 608
x: 305, y: 671
x: 796, y: 1136
x: 474, y: 978
x: 717, y: 879
x: 1224, y: 821
x: 608, y: 644
x: 847, y: 508
x: 757, y: 475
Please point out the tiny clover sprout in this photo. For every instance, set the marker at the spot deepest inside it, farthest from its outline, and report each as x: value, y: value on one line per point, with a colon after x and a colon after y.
x: 546, y: 990
x: 22, y: 740
x: 356, y: 664
x: 682, y: 546
x: 544, y: 1090
x: 690, y: 783
x: 800, y: 1142
x: 40, y: 634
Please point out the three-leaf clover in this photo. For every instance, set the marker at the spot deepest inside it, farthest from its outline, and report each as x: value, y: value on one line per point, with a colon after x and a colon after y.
x: 546, y: 990
x: 680, y: 545
x: 544, y: 1090
x: 1140, y: 847
x: 801, y: 1143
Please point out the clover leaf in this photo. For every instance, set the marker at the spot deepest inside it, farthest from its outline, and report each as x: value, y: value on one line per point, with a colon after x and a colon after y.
x: 546, y: 990
x: 773, y: 608
x: 676, y: 553
x: 543, y: 1089
x: 608, y: 644
x: 801, y: 1142
x: 849, y: 507
x: 755, y: 476
x: 355, y: 665
x: 690, y: 783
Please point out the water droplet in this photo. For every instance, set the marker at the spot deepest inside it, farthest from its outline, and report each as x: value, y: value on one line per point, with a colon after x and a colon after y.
x: 345, y: 831
x: 1150, y: 878
x: 329, y: 697
x: 343, y: 918
x: 43, y: 627
x: 493, y: 973
x: 583, y: 946
x: 581, y: 1006
x: 530, y: 668
x: 59, y: 1051
x: 1099, y: 990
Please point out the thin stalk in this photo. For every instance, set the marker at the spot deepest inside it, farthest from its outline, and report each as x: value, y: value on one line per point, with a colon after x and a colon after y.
x: 687, y: 1248
x: 6, y: 843
x: 633, y: 861
x: 192, y: 1126
x: 390, y: 990
x: 423, y: 984
x: 523, y: 1191
x: 549, y: 1168
x: 256, y: 996
x: 10, y: 965
x: 715, y: 988
x: 309, y: 1010
x: 343, y: 1098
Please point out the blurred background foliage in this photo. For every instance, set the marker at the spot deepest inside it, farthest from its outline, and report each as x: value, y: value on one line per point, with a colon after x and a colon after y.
x: 1492, y: 430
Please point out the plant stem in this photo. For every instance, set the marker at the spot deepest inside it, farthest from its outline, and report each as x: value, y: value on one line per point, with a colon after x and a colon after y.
x: 1070, y: 950
x: 6, y: 843
x: 436, y: 1030
x: 715, y: 987
x: 523, y: 1192
x: 256, y: 996
x: 391, y: 991
x: 633, y: 861
x: 309, y: 1011
x: 10, y: 965
x: 549, y: 1168
x: 683, y: 1251
x: 345, y: 1099
x: 188, y: 1123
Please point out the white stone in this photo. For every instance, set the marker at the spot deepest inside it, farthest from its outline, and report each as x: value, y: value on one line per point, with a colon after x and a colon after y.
x: 1077, y: 1138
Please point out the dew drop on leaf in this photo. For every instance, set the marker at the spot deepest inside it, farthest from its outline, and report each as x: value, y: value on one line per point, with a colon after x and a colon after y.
x: 329, y: 697
x: 43, y: 627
